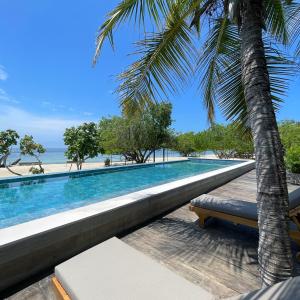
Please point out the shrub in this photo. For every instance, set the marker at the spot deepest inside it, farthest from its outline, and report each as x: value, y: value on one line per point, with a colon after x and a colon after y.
x: 107, y: 162
x: 35, y: 170
x: 293, y: 159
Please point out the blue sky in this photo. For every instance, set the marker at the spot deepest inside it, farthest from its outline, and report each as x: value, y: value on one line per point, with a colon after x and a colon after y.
x: 47, y: 81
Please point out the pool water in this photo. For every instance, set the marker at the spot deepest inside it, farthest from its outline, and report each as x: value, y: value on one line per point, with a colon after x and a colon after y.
x: 26, y: 200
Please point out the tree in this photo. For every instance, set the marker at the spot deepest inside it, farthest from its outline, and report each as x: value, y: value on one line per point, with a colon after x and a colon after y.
x: 8, y: 139
x: 29, y: 147
x: 228, y: 141
x: 110, y: 134
x: 83, y: 143
x: 240, y: 70
x: 137, y: 136
x: 185, y: 143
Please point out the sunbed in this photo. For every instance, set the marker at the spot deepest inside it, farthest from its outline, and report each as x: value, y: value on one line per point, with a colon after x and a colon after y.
x: 242, y: 212
x: 286, y: 290
x: 113, y: 270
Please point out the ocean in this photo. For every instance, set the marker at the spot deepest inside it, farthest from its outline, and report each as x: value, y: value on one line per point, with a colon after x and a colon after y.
x: 57, y: 156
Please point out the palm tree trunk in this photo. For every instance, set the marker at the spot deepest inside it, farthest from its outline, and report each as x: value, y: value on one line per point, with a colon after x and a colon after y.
x: 274, y: 251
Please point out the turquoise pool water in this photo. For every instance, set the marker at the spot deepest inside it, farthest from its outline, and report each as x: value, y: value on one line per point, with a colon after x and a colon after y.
x: 25, y: 200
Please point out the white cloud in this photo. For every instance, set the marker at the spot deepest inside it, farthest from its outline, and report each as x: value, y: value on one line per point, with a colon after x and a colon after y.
x: 3, y: 73
x: 46, y: 103
x: 47, y: 130
x: 87, y: 113
x: 7, y: 98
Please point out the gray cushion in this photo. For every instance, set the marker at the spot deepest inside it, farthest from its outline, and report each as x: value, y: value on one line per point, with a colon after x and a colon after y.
x: 294, y: 198
x: 112, y: 270
x: 229, y: 206
x: 286, y: 290
x: 240, y: 208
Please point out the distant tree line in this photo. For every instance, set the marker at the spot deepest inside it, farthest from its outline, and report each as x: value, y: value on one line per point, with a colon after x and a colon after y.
x: 226, y: 141
x: 137, y: 136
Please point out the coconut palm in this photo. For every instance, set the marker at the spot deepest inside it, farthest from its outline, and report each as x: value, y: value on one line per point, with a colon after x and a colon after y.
x: 242, y: 66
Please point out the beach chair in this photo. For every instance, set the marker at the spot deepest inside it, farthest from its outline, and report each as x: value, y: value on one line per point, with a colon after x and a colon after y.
x: 113, y: 270
x: 285, y: 290
x: 243, y: 212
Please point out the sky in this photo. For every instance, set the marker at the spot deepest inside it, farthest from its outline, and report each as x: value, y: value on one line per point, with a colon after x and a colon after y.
x: 48, y: 83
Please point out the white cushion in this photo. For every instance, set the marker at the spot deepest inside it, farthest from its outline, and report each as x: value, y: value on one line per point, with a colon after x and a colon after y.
x: 112, y: 270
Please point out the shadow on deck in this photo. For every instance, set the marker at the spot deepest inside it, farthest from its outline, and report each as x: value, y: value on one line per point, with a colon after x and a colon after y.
x: 222, y: 258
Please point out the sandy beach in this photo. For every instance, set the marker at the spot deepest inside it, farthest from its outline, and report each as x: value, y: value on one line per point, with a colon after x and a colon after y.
x: 53, y: 168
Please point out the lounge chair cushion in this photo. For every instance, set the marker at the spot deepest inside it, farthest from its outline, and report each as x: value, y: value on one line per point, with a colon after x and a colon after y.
x: 294, y: 198
x: 113, y: 270
x: 229, y: 206
x: 286, y: 290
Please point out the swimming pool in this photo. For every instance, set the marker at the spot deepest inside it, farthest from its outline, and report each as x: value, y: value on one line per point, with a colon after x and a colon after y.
x: 26, y: 199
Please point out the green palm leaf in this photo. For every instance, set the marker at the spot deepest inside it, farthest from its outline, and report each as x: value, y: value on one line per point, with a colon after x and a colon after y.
x: 221, y: 78
x: 276, y: 20
x: 165, y: 57
x: 220, y: 45
x: 125, y: 10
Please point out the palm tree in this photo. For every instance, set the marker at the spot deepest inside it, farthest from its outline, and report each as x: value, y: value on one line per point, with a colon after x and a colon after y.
x: 242, y: 66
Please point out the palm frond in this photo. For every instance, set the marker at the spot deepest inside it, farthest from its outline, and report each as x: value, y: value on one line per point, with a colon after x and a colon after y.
x: 230, y: 91
x: 276, y: 20
x: 218, y: 49
x: 221, y: 75
x: 165, y: 57
x: 126, y: 10
x: 294, y: 25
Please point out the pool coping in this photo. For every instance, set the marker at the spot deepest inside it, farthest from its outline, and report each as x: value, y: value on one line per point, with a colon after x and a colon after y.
x: 30, y: 248
x: 19, y: 231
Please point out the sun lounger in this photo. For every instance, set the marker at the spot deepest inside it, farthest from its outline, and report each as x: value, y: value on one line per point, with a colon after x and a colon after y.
x: 286, y: 290
x: 242, y: 212
x: 113, y: 270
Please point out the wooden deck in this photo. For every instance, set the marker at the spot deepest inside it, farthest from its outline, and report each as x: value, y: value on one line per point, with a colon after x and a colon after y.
x: 221, y: 258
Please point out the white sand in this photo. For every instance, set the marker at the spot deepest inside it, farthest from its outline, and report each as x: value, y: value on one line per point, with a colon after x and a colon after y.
x: 53, y: 168
x: 50, y: 168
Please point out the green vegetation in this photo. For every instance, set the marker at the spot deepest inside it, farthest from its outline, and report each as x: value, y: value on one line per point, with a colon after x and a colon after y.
x: 228, y: 141
x: 82, y: 142
x: 290, y: 137
x: 293, y: 159
x: 107, y: 162
x: 185, y: 143
x: 289, y: 133
x: 136, y: 136
x: 8, y: 139
x: 29, y: 147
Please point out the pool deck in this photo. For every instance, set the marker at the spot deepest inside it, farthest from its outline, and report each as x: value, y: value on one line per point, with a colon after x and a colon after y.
x: 221, y: 258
